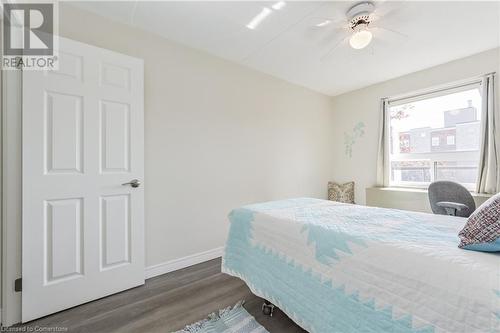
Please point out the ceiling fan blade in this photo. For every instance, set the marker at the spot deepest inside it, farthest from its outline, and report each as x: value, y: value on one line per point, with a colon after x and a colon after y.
x: 391, y: 30
x: 333, y: 34
x: 333, y: 49
x: 381, y: 14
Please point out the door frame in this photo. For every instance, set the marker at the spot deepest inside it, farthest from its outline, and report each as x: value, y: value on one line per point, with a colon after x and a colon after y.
x: 11, y: 194
x: 10, y: 191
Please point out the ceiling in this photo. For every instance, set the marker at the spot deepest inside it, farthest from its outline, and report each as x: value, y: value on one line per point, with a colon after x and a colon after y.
x: 408, y: 36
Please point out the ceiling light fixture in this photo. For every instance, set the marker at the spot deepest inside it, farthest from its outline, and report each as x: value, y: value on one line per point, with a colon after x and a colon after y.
x: 278, y: 5
x: 259, y: 18
x: 359, y: 17
x: 323, y: 24
x: 361, y: 37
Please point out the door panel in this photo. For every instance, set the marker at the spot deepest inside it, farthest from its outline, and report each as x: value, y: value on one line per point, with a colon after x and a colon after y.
x: 83, y: 137
x: 115, y: 136
x: 115, y: 230
x: 63, y: 239
x: 70, y: 65
x: 115, y: 76
x: 63, y: 133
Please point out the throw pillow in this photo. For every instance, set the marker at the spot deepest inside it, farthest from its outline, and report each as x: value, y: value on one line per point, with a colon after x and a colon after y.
x: 341, y: 192
x: 482, y: 230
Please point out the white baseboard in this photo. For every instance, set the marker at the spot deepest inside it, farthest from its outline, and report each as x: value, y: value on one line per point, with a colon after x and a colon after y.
x: 173, y: 265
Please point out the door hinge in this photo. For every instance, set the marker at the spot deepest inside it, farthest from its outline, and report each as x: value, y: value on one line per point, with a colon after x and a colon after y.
x: 18, y: 284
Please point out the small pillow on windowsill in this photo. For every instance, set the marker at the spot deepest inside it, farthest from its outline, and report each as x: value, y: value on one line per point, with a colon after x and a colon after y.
x: 482, y: 230
x: 341, y: 192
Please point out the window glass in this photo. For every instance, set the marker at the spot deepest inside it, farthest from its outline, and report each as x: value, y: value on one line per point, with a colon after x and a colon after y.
x: 436, y: 138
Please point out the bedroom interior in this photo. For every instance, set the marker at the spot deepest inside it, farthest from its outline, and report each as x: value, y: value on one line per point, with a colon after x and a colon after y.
x: 246, y: 166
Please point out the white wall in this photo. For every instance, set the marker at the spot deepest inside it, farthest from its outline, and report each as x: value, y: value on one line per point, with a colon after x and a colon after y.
x: 218, y: 135
x: 363, y: 106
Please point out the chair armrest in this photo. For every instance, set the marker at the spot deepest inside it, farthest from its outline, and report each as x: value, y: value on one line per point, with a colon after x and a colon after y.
x: 452, y: 205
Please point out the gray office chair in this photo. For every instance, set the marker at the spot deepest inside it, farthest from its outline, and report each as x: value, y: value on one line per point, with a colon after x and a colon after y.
x: 450, y: 198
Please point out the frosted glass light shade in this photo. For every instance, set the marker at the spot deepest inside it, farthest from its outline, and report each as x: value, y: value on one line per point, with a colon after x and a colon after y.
x: 360, y: 39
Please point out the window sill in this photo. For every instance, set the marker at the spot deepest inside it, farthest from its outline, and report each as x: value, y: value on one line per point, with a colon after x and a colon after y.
x: 414, y: 199
x: 420, y: 190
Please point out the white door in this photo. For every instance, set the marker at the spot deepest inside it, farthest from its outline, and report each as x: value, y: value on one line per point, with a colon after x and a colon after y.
x: 83, y: 133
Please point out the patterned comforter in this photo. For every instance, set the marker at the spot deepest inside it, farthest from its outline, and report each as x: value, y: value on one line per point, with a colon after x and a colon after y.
x: 345, y: 268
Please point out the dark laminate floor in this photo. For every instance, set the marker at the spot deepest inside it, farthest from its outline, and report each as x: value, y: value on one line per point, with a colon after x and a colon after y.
x: 167, y: 303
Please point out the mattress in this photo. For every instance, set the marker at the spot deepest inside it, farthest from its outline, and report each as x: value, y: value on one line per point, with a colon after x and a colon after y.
x: 335, y: 267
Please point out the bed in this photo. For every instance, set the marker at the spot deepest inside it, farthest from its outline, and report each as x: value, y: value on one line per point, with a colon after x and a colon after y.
x: 335, y: 267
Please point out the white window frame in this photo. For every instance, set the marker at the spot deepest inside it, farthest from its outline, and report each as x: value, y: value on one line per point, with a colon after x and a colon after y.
x: 437, y: 91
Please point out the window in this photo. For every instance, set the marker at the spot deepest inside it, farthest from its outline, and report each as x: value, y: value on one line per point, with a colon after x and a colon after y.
x: 435, y: 136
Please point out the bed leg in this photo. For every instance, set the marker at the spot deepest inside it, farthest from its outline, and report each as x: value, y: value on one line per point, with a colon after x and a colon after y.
x: 268, y: 308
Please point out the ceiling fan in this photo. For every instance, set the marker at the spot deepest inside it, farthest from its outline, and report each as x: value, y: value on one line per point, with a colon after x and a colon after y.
x: 359, y: 17
x: 357, y: 24
x: 360, y: 23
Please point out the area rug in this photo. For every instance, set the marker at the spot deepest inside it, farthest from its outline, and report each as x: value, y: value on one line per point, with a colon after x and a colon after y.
x: 233, y: 319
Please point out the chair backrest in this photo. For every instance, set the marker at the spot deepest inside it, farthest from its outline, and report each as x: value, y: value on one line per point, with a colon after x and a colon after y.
x: 444, y: 190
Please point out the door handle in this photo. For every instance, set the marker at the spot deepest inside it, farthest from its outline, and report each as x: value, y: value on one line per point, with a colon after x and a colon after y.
x: 134, y: 183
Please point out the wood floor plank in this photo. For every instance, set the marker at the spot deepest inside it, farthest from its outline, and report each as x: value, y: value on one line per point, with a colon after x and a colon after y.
x: 167, y: 303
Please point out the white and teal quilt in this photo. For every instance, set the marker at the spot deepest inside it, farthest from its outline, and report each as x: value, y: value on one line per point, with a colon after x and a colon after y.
x: 345, y: 268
